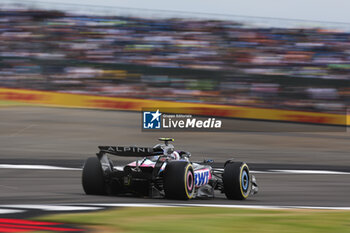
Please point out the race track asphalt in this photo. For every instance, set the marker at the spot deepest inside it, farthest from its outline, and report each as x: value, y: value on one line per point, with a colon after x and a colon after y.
x: 66, y: 137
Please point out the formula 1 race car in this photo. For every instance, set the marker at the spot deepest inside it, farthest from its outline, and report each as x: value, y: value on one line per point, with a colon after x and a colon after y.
x: 164, y: 172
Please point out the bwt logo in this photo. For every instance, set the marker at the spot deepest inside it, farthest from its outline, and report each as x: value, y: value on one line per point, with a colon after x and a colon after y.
x: 151, y: 120
x: 201, y: 177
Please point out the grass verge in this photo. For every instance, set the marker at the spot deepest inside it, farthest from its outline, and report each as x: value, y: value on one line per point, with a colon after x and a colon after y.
x: 6, y: 103
x: 201, y: 219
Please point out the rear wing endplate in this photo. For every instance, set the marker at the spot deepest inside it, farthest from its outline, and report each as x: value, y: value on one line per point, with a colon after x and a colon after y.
x: 129, y: 151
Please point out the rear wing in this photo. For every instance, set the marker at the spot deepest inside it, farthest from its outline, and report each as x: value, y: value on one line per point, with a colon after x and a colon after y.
x: 129, y: 151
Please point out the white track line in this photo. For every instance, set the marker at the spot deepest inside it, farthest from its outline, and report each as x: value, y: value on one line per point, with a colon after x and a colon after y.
x: 53, y: 207
x: 218, y: 206
x: 135, y: 205
x: 9, y: 211
x: 99, y: 206
x: 260, y: 172
x: 311, y: 172
x: 37, y: 167
x: 304, y: 172
x: 285, y: 171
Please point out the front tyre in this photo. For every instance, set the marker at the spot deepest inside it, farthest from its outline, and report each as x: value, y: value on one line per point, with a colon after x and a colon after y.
x: 179, y: 180
x: 93, y: 180
x: 236, y: 180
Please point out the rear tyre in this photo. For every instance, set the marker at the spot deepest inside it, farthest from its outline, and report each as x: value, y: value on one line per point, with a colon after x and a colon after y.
x: 236, y: 180
x: 179, y: 180
x: 93, y: 179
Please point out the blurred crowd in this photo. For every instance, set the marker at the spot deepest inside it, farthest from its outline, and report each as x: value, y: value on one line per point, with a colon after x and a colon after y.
x: 306, y: 69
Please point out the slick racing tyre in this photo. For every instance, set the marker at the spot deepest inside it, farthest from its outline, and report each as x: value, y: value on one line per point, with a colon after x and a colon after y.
x: 236, y: 180
x: 93, y: 179
x: 179, y: 180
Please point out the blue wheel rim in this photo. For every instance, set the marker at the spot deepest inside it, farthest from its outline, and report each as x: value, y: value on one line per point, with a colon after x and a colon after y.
x: 245, y: 180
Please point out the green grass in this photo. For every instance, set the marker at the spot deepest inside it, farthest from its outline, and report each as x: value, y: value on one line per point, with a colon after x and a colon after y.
x: 6, y: 103
x: 200, y: 219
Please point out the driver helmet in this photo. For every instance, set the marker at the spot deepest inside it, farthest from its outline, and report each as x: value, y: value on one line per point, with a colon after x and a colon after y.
x: 175, y: 155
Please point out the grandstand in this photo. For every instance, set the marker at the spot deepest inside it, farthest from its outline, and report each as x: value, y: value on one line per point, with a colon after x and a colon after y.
x: 218, y: 61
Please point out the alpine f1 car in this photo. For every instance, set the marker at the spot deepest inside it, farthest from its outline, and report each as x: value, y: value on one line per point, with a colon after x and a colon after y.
x: 164, y: 172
